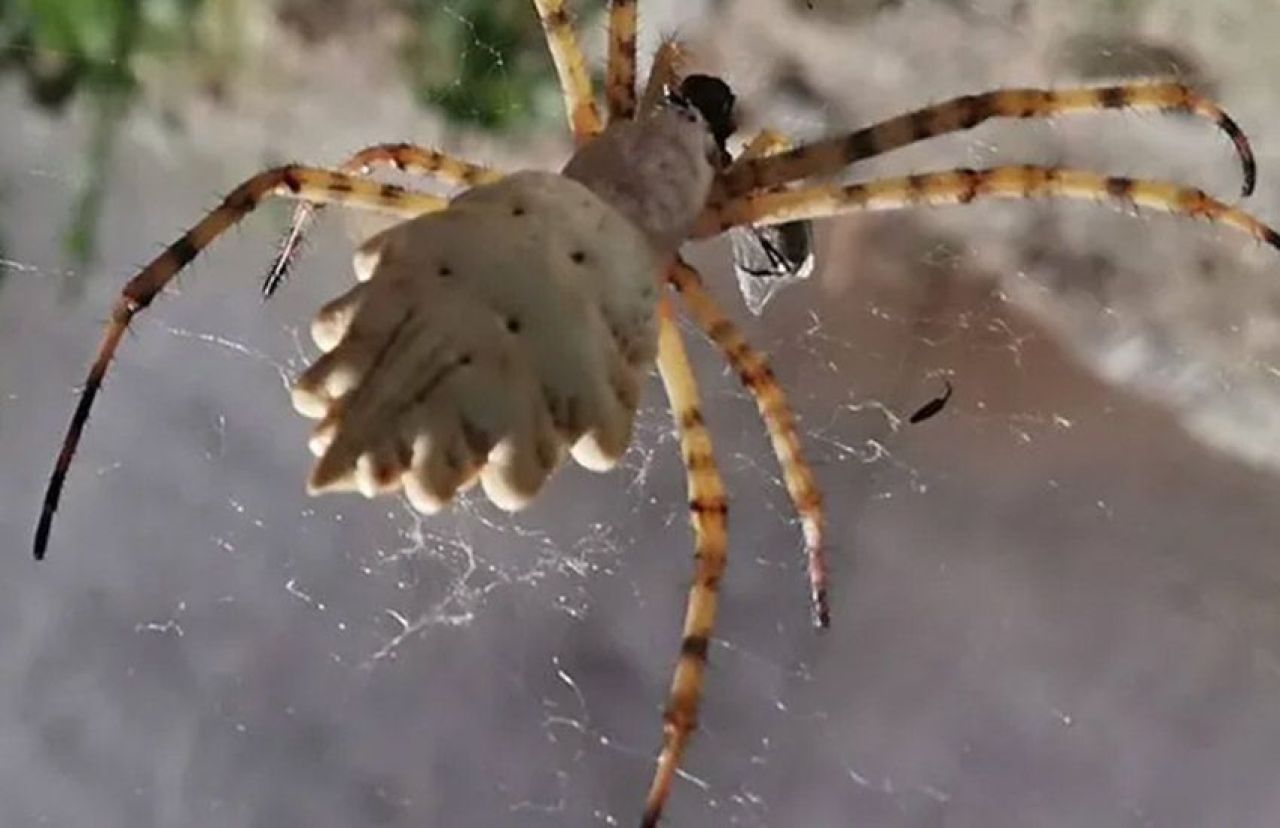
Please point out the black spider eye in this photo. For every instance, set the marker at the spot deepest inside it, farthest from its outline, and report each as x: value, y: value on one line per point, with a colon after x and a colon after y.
x: 715, y: 100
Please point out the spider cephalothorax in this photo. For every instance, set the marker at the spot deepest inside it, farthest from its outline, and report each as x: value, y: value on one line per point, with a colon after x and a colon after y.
x: 489, y: 334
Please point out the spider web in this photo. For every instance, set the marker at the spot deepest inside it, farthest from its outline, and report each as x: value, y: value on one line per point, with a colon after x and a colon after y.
x: 1055, y: 603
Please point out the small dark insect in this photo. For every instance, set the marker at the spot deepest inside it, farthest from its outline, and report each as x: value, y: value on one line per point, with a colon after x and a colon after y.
x: 933, y: 406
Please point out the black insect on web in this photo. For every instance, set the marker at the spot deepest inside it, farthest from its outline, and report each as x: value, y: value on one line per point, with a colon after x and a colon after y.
x: 934, y: 406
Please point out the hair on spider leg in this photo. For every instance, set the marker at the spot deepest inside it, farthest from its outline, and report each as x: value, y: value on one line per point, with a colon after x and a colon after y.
x: 934, y: 406
x: 290, y: 250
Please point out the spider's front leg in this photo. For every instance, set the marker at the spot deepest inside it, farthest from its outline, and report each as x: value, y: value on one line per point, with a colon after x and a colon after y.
x: 620, y: 74
x: 831, y: 155
x: 571, y: 66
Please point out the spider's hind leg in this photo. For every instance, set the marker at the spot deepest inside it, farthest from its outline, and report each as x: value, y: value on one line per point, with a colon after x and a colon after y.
x: 708, y: 512
x: 753, y: 370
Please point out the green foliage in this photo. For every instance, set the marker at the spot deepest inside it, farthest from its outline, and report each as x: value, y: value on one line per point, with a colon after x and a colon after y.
x: 483, y: 62
x: 64, y: 46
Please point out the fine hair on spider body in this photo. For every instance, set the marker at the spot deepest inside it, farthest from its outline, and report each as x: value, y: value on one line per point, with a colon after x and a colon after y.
x: 455, y: 361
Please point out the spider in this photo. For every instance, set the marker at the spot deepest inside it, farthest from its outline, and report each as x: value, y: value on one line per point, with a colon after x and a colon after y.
x: 489, y: 334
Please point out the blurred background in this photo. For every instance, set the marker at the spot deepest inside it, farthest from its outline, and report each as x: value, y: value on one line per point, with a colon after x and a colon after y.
x: 1057, y: 603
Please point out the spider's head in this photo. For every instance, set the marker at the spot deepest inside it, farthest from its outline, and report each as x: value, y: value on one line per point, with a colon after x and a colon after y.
x: 714, y: 100
x: 657, y: 168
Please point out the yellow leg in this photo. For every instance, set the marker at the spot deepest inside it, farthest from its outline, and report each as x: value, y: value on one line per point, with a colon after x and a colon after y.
x: 962, y: 186
x: 292, y: 182
x: 666, y: 67
x: 708, y: 510
x: 764, y: 143
x: 834, y: 154
x: 620, y: 77
x: 404, y: 157
x: 571, y: 66
x: 754, y: 372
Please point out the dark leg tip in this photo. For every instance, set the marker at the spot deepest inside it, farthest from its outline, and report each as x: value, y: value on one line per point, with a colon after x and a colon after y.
x: 821, y: 615
x: 42, y: 536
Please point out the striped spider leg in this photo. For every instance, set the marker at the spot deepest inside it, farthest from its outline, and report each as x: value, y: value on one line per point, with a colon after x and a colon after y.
x: 752, y: 368
x: 708, y: 504
x: 404, y: 157
x: 571, y: 66
x: 291, y: 182
x: 709, y: 515
x: 784, y: 254
x: 832, y: 155
x: 620, y: 71
x: 962, y: 186
x: 714, y: 97
x: 707, y: 499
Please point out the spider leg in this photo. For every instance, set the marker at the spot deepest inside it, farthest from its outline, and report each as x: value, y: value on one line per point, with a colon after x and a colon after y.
x: 293, y: 182
x: 961, y: 186
x: 763, y: 143
x: 708, y: 510
x: 620, y: 76
x: 571, y: 66
x: 967, y: 111
x: 666, y: 68
x: 754, y: 372
x: 407, y: 158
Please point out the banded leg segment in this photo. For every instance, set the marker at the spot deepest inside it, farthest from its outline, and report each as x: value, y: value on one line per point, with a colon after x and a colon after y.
x: 571, y: 66
x: 293, y: 182
x: 764, y: 143
x: 408, y: 158
x: 756, y: 375
x: 967, y: 111
x: 665, y: 70
x: 709, y: 511
x: 620, y: 76
x: 961, y: 186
